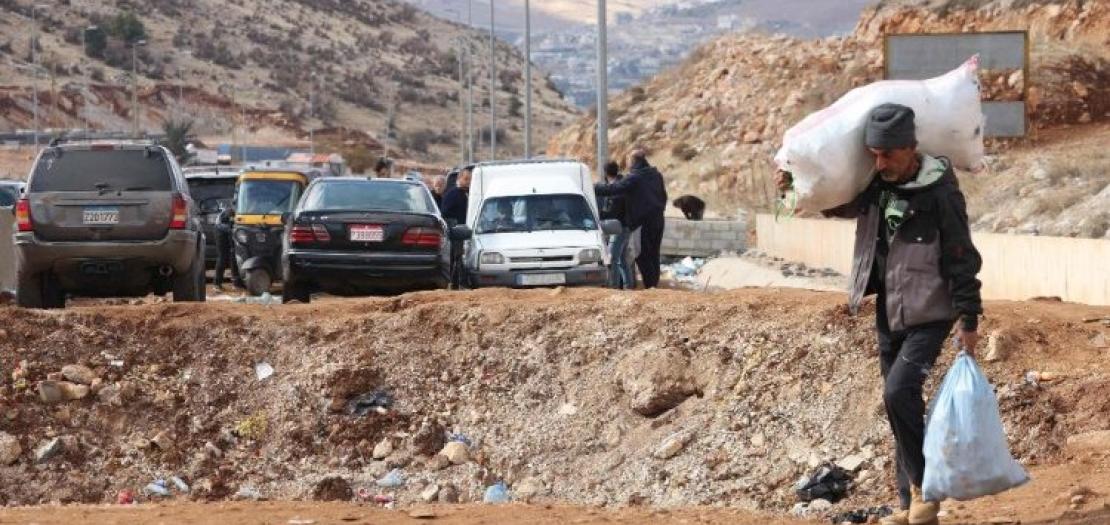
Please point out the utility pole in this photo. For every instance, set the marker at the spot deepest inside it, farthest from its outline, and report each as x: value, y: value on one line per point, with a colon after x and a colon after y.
x: 492, y: 85
x: 312, y: 115
x: 602, y: 91
x: 527, y: 79
x: 34, y: 70
x: 462, y: 103
x: 135, y: 86
x: 469, y: 87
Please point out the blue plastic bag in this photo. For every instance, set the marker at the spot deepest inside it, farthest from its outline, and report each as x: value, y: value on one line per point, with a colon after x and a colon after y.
x: 497, y: 493
x: 966, y: 453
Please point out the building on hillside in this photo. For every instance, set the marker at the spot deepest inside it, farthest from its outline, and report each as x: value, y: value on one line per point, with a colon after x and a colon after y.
x: 332, y: 163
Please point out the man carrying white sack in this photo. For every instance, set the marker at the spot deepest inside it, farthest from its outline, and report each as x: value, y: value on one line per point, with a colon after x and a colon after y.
x: 913, y: 249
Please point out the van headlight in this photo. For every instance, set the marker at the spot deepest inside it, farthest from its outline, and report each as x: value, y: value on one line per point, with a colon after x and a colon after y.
x: 589, y: 255
x: 492, y: 258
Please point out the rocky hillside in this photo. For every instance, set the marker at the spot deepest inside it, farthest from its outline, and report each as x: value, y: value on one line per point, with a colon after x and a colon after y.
x: 257, y: 62
x: 714, y: 123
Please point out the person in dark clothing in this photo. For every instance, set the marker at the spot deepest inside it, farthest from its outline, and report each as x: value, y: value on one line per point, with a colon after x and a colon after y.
x: 613, y: 208
x: 439, y: 182
x: 383, y: 168
x: 914, y: 251
x: 455, y: 203
x: 692, y: 207
x: 645, y: 202
x: 225, y: 250
x: 456, y: 199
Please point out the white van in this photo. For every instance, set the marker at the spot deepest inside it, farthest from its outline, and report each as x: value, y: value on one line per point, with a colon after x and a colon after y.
x: 535, y: 223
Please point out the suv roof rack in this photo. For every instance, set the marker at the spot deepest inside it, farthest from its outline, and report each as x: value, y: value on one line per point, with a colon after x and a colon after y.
x: 64, y: 139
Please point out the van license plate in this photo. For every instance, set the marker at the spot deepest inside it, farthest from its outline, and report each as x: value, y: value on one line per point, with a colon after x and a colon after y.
x: 100, y: 215
x: 367, y: 233
x: 541, y: 279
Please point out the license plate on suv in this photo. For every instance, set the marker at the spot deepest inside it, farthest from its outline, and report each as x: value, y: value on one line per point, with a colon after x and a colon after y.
x: 367, y: 233
x: 541, y: 279
x: 100, y: 216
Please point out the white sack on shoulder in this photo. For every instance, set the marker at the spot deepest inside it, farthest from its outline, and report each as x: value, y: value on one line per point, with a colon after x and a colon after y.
x: 826, y: 154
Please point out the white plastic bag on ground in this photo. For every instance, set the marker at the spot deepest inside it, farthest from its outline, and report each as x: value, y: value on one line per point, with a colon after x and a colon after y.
x: 966, y: 453
x: 826, y: 154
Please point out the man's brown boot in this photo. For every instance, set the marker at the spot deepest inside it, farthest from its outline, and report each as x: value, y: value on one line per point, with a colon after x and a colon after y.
x: 922, y: 512
x: 901, y: 517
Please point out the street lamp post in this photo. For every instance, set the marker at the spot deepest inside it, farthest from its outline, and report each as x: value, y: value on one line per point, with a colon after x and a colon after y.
x: 469, y: 87
x: 492, y: 83
x: 135, y: 86
x: 602, y: 91
x: 312, y: 115
x: 527, y: 79
x: 35, y: 73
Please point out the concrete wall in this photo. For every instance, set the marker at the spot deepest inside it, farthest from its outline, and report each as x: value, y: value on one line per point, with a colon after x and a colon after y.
x: 7, y: 250
x: 683, y: 238
x: 1015, y: 267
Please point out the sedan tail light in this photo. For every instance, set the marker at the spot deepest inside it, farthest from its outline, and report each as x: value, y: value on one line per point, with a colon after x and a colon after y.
x: 306, y: 234
x: 23, y: 216
x: 301, y: 235
x: 422, y: 237
x: 180, y: 212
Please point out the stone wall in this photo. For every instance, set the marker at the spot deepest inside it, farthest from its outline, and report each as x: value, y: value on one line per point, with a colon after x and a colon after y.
x: 1015, y: 267
x: 707, y: 238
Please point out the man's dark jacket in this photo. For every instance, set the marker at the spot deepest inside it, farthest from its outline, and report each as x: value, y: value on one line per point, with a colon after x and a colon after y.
x: 645, y: 194
x: 454, y: 206
x: 612, y: 207
x: 928, y: 267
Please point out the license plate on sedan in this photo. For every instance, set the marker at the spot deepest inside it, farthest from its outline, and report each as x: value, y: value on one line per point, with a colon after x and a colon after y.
x: 367, y: 233
x: 541, y: 279
x: 100, y: 216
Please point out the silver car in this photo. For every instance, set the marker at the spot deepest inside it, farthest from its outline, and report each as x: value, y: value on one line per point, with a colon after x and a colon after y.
x: 112, y: 219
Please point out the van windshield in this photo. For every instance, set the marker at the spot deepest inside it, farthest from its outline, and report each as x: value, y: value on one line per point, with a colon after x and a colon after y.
x: 535, y: 212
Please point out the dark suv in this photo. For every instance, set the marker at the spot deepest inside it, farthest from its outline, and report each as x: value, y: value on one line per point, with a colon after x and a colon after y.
x: 107, y: 220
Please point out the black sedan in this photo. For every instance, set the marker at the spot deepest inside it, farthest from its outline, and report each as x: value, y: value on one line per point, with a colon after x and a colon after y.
x: 352, y: 236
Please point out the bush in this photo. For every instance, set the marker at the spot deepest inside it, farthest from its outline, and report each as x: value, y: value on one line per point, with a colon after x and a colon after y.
x: 127, y: 27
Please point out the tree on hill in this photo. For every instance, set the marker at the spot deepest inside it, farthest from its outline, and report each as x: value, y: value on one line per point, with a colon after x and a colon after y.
x: 127, y: 27
x: 177, y: 136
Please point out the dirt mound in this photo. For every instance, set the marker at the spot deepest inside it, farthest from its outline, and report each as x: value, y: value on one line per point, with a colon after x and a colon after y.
x: 591, y: 397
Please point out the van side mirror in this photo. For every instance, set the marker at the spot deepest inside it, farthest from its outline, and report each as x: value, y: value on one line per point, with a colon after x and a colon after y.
x: 461, y: 232
x: 611, y: 227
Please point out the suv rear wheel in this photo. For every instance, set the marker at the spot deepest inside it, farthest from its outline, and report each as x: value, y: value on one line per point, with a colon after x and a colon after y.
x: 28, y: 290
x: 39, y: 291
x: 189, y: 286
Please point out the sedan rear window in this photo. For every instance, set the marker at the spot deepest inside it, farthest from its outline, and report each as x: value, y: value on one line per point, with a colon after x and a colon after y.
x: 81, y: 170
x: 369, y: 196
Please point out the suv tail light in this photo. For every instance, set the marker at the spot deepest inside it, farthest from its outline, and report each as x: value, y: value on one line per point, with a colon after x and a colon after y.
x: 23, y: 216
x: 422, y: 237
x: 304, y: 234
x: 180, y: 212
